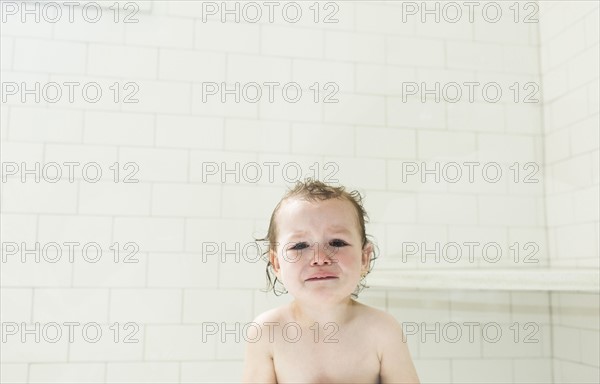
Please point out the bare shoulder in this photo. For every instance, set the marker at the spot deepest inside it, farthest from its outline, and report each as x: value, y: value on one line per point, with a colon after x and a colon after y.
x: 392, y: 350
x: 258, y: 360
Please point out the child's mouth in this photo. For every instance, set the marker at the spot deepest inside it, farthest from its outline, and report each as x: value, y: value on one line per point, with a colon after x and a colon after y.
x: 321, y: 278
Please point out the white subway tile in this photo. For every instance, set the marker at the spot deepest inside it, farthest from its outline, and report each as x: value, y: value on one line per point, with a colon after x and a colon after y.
x: 142, y: 372
x: 178, y: 342
x: 114, y: 198
x: 151, y: 234
x: 385, y: 142
x: 506, y: 148
x: 386, y: 207
x: 154, y: 164
x: 70, y: 304
x: 43, y: 197
x: 230, y: 232
x: 217, y: 306
x: 83, y: 155
x: 248, y: 68
x: 508, y: 210
x: 15, y: 351
x: 46, y: 125
x: 263, y: 198
x: 211, y: 371
x: 566, y: 44
x: 418, y: 52
x: 216, y: 167
x: 566, y: 343
x: 189, y: 132
x: 583, y: 68
x: 87, y: 92
x: 355, y: 47
x: 585, y: 204
x: 476, y: 371
x: 292, y: 42
x: 36, y: 272
x: 556, y: 145
x: 230, y: 100
x: 572, y: 173
x: 555, y: 83
x: 3, y: 123
x: 66, y: 373
x: 523, y: 118
x: 521, y: 59
x: 303, y: 110
x: 261, y: 135
x: 482, y: 116
x: 576, y: 241
x: 18, y: 227
x: 148, y: 306
x: 16, y: 305
x: 440, y: 144
x: 432, y: 371
x: 288, y: 169
x: 584, y: 135
x: 6, y: 48
x: 118, y: 128
x: 318, y: 139
x: 356, y: 173
x: 129, y: 345
x: 227, y: 37
x: 245, y: 269
x: 105, y: 30
x: 355, y: 109
x: 559, y: 209
x: 49, y: 56
x: 454, y: 209
x: 127, y: 268
x: 418, y: 307
x: 186, y: 200
x: 412, y: 113
x: 191, y: 66
x: 157, y: 96
x: 160, y: 31
x: 593, y: 96
x: 13, y: 373
x: 384, y: 17
x: 185, y: 270
x: 468, y: 55
x: 533, y: 250
x: 22, y: 24
x: 132, y: 63
x: 382, y: 79
x: 497, y: 24
x: 308, y: 72
x: 590, y: 347
x: 75, y: 228
x: 591, y: 28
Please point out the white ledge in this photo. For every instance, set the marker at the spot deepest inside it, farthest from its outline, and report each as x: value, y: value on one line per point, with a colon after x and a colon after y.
x: 497, y: 279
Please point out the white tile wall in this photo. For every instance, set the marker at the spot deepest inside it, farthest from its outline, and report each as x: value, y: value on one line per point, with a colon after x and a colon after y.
x: 171, y: 212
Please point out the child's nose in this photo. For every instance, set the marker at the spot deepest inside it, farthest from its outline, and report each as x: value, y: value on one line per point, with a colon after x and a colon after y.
x: 322, y: 254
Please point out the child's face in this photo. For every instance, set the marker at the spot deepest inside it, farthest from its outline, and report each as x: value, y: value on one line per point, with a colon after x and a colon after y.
x: 319, y: 252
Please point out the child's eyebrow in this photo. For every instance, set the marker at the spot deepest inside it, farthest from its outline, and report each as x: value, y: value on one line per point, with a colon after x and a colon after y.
x: 339, y: 229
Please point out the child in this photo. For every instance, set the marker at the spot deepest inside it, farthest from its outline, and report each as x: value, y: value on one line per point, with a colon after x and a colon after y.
x: 320, y: 253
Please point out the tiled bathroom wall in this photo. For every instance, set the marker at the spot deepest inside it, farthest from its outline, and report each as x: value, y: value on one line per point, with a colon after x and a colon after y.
x: 160, y: 261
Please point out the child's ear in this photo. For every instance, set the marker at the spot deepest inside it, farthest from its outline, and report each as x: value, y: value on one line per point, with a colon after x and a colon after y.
x: 274, y: 261
x: 366, y: 255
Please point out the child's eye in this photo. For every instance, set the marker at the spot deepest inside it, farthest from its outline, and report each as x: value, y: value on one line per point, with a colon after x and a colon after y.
x: 299, y: 246
x: 338, y: 243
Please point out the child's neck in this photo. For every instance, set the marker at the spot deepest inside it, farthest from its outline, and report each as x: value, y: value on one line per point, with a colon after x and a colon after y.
x: 307, y: 314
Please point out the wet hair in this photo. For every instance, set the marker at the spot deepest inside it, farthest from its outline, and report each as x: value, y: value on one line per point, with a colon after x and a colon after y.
x: 315, y: 190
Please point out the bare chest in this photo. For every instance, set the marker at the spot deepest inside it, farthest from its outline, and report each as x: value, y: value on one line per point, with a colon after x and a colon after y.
x: 325, y: 355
